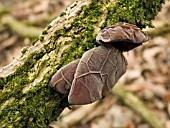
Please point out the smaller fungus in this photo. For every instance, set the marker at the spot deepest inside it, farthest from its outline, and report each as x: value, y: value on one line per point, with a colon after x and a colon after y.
x: 123, y: 36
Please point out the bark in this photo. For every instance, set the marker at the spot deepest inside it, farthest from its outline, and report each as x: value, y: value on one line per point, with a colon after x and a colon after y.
x: 26, y: 100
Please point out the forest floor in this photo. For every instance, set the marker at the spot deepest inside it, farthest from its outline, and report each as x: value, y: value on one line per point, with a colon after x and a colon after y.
x: 147, y: 77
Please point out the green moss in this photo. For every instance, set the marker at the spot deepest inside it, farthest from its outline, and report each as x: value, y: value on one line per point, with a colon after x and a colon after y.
x: 34, y: 42
x: 2, y: 83
x: 24, y: 50
x: 44, y: 32
x: 138, y: 12
x: 74, y: 5
x: 59, y: 33
x: 20, y: 77
x: 48, y: 27
x: 38, y: 112
x: 41, y: 38
x: 86, y: 40
x: 41, y: 93
x: 63, y: 13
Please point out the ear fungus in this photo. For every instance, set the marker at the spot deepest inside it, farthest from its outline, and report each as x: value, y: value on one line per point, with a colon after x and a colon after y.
x: 62, y: 79
x: 94, y: 75
x: 123, y: 36
x: 97, y: 72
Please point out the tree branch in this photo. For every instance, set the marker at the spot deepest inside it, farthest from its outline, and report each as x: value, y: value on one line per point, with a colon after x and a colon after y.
x: 25, y: 97
x: 20, y: 28
x: 136, y: 104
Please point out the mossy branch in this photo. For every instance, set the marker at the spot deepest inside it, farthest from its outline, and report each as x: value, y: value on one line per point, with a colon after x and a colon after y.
x: 25, y: 97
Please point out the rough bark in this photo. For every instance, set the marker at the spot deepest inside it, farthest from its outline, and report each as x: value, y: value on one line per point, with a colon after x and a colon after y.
x: 25, y: 97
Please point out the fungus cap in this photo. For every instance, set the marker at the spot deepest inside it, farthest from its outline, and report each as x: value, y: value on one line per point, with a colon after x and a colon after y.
x: 123, y: 36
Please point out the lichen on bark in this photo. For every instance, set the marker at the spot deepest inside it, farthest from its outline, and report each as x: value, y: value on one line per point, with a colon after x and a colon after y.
x: 26, y: 100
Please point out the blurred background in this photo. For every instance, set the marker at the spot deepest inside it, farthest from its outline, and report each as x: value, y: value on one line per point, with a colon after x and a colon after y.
x: 147, y: 77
